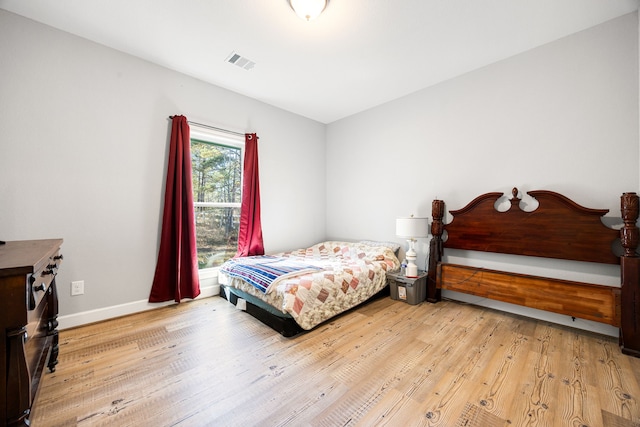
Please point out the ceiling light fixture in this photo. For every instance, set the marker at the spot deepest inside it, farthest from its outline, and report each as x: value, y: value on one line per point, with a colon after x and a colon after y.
x: 308, y: 9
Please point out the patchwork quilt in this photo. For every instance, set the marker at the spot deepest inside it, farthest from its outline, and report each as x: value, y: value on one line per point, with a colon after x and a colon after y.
x: 335, y: 277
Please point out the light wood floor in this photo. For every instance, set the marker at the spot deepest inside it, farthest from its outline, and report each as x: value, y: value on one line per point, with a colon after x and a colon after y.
x: 387, y: 363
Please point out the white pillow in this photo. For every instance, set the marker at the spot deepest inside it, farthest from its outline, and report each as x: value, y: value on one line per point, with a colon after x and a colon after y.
x: 391, y: 245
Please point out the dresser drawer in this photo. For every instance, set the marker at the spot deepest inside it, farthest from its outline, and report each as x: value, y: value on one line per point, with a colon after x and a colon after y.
x: 37, y: 320
x: 39, y: 284
x: 38, y: 343
x: 40, y: 281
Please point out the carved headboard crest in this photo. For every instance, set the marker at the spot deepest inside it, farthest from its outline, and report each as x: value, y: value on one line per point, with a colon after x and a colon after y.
x: 557, y: 228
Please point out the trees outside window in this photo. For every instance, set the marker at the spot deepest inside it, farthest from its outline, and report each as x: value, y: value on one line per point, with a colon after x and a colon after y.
x: 217, y: 194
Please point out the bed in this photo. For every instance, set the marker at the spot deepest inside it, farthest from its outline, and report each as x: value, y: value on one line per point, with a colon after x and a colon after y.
x: 297, y: 290
x: 559, y: 229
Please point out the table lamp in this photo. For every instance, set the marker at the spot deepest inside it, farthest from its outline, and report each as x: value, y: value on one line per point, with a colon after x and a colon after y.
x: 412, y: 228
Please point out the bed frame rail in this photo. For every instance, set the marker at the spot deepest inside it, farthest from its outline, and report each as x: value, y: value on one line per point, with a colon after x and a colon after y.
x: 584, y: 300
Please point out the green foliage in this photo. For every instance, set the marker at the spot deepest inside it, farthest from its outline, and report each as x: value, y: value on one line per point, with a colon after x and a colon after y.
x: 216, y: 243
x: 217, y: 178
x: 216, y: 172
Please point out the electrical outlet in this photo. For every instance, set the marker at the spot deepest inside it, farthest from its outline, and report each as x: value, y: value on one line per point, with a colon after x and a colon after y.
x: 77, y: 288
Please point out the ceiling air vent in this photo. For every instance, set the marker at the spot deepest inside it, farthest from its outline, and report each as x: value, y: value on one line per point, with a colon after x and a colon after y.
x: 240, y: 61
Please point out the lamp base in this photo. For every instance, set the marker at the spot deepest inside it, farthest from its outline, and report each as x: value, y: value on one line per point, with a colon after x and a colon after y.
x: 412, y: 270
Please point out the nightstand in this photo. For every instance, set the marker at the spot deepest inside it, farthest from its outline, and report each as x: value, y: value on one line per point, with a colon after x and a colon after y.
x: 412, y: 290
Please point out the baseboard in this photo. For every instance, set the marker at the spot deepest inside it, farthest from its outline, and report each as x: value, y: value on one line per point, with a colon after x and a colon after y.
x: 100, y: 314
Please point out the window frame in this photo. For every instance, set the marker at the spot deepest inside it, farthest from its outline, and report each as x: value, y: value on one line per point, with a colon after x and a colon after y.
x: 224, y: 139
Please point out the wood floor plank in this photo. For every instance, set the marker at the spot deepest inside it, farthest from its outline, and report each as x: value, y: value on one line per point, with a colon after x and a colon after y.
x: 568, y: 357
x: 501, y: 374
x: 205, y: 363
x: 617, y: 399
x: 454, y: 390
x: 532, y: 407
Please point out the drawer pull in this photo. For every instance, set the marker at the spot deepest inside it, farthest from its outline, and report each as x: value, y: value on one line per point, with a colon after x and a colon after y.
x: 58, y: 257
x: 48, y: 272
x: 31, y: 304
x: 40, y: 287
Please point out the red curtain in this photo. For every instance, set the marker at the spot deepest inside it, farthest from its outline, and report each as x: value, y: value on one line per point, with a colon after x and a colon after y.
x: 176, y: 275
x: 250, y: 233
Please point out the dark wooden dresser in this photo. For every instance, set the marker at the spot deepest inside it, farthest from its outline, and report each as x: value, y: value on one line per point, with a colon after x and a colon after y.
x: 28, y: 321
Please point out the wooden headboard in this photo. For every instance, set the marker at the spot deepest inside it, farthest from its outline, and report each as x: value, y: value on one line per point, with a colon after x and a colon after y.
x: 558, y: 228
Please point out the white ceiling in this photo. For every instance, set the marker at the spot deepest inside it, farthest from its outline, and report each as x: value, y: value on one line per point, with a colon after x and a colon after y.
x: 356, y: 55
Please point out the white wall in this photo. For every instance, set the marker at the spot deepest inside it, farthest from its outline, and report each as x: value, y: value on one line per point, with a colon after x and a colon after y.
x: 561, y: 117
x: 83, y: 141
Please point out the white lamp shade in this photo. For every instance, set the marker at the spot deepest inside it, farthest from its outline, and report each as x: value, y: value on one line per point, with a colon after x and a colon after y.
x: 412, y: 227
x: 308, y: 9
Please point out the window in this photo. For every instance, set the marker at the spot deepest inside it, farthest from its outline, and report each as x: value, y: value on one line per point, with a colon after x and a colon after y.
x: 216, y: 162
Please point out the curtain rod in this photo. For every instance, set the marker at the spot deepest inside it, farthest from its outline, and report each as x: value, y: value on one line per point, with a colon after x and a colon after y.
x: 213, y: 127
